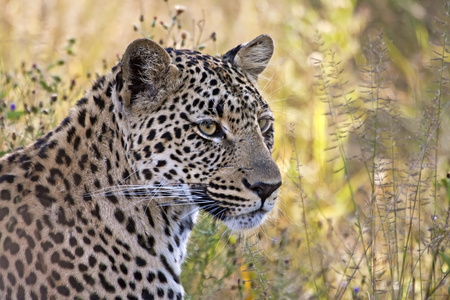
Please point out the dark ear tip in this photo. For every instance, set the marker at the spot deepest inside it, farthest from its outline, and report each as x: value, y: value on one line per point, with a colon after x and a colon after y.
x: 141, y: 43
x: 263, y: 42
x: 263, y: 39
x: 135, y: 45
x: 252, y: 57
x: 144, y: 64
x: 139, y: 54
x: 142, y: 48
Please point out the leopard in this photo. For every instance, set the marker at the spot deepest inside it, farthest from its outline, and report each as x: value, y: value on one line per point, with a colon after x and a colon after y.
x: 102, y: 206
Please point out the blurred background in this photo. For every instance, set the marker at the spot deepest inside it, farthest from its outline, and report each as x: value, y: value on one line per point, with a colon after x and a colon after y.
x: 360, y: 94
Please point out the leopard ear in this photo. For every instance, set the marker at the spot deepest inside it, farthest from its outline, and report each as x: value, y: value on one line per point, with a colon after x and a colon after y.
x: 147, y: 72
x: 252, y: 57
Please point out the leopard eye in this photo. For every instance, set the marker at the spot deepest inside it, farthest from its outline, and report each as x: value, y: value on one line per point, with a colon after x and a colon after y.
x: 264, y: 124
x: 208, y: 127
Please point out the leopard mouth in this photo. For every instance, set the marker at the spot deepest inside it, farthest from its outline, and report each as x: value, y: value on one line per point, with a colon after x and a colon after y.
x: 242, y: 221
x: 201, y: 198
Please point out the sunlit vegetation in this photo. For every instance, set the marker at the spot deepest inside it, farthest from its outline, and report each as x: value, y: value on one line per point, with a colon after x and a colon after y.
x: 360, y: 90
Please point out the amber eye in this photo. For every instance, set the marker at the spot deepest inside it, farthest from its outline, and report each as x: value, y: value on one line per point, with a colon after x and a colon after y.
x: 208, y: 127
x: 264, y: 124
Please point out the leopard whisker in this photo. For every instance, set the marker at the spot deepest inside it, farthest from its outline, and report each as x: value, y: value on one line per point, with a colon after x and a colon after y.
x: 137, y: 170
x: 190, y: 213
x: 183, y: 203
x: 139, y: 190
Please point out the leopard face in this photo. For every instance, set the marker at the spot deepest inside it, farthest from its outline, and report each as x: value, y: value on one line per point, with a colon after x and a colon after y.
x: 212, y: 133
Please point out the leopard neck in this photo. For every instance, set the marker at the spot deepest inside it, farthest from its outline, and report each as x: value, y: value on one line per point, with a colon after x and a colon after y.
x: 82, y: 171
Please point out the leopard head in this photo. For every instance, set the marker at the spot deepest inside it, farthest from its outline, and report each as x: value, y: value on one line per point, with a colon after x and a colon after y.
x: 197, y: 123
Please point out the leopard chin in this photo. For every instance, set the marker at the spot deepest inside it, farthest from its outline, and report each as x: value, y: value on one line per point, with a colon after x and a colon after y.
x: 246, y: 221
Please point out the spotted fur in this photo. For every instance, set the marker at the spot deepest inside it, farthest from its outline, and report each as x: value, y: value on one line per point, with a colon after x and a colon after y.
x: 102, y: 206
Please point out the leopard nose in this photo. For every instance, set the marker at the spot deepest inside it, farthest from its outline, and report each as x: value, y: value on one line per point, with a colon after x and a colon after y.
x: 263, y: 190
